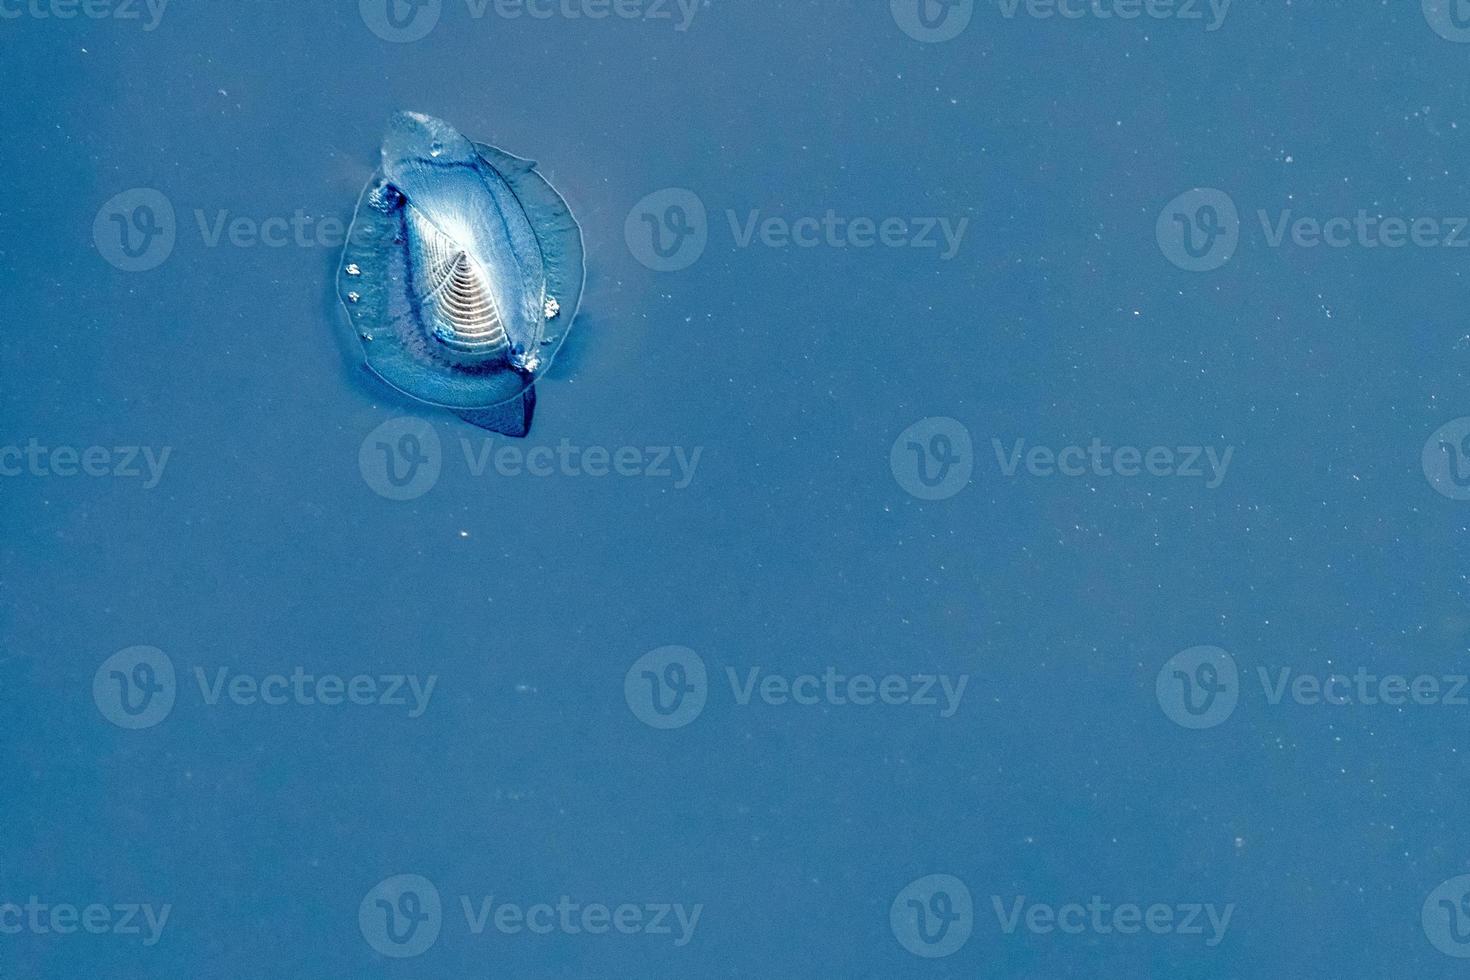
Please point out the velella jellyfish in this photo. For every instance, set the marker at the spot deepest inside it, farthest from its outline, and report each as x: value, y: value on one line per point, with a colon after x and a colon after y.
x: 459, y: 257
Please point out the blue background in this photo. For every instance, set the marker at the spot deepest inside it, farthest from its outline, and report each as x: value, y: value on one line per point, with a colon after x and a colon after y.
x: 794, y: 548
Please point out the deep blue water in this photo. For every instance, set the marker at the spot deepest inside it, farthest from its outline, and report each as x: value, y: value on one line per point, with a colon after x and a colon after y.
x: 562, y: 756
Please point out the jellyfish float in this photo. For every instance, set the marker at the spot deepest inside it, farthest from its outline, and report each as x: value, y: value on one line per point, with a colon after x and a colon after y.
x: 460, y: 259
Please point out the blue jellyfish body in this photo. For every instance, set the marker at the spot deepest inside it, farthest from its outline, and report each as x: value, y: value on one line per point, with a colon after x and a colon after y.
x: 458, y: 257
